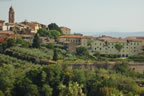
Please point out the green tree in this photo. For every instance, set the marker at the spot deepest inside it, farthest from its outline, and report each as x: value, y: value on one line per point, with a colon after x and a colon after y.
x: 122, y: 68
x: 55, y: 56
x: 73, y: 89
x: 54, y: 34
x: 54, y: 26
x: 7, y: 78
x: 36, y: 41
x: 11, y: 42
x: 43, y: 32
x: 119, y: 47
x: 89, y: 42
x: 22, y: 43
x: 46, y: 90
x: 82, y: 51
x: 50, y: 46
x: 1, y: 93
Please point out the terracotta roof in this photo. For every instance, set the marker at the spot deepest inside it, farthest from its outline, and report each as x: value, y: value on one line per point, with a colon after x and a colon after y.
x: 135, y: 39
x: 72, y: 36
x: 2, y: 21
x: 6, y: 32
x: 24, y: 35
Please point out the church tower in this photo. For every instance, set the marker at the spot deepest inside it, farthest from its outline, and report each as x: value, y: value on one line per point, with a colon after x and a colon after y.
x: 11, y: 15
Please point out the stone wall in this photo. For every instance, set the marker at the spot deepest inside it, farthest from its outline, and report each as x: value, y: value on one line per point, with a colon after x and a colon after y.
x: 136, y: 66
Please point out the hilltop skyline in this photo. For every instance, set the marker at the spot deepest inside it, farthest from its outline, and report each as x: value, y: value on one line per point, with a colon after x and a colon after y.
x: 81, y: 16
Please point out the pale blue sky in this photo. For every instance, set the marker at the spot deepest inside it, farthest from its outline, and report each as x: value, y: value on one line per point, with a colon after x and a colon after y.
x: 80, y: 15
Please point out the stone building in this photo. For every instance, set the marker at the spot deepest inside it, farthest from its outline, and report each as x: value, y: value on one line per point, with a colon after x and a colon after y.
x: 73, y: 41
x: 11, y: 15
x: 1, y: 24
x: 65, y: 30
x: 107, y: 46
x: 34, y: 26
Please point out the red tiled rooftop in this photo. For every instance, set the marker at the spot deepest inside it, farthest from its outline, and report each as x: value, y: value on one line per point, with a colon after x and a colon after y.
x: 72, y: 36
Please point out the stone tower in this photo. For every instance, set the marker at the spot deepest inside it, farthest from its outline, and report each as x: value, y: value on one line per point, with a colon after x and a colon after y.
x: 11, y: 15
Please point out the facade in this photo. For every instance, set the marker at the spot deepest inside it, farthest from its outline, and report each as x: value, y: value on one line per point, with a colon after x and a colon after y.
x: 73, y: 41
x: 130, y: 47
x: 11, y: 15
x: 25, y: 37
x: 65, y: 30
x: 5, y: 35
x: 34, y: 26
x: 1, y: 24
x: 78, y: 40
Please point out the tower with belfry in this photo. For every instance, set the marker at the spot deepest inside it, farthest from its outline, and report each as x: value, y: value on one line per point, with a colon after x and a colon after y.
x: 11, y: 15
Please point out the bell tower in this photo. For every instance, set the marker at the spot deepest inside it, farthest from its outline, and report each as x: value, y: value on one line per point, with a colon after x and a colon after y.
x: 11, y: 15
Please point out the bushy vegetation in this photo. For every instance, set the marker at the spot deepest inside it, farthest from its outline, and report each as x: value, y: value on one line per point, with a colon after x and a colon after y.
x: 139, y: 58
x: 29, y: 54
x: 44, y: 71
x: 53, y: 34
x: 54, y: 26
x: 59, y: 80
x: 14, y: 42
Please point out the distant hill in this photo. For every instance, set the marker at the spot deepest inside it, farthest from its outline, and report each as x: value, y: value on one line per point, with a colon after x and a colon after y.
x: 114, y: 34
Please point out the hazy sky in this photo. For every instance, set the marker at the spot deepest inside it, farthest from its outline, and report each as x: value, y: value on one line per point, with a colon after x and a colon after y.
x: 80, y: 15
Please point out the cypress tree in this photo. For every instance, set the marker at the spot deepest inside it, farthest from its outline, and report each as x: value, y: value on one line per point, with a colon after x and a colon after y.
x: 55, y: 56
x: 36, y: 41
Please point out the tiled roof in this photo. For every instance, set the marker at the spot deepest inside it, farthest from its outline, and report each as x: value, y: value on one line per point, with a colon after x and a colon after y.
x: 72, y: 36
x: 6, y: 32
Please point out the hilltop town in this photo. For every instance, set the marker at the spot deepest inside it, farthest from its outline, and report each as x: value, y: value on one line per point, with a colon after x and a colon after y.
x: 49, y: 60
x: 104, y: 44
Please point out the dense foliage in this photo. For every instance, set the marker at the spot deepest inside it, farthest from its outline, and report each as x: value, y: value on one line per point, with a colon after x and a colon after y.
x: 14, y: 42
x: 29, y: 54
x: 32, y: 72
x: 36, y: 41
x: 54, y: 26
x: 53, y: 34
x: 119, y: 47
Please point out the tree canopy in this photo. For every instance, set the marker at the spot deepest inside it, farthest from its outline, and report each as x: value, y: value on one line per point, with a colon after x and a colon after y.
x: 36, y: 41
x: 54, y: 26
x: 119, y: 47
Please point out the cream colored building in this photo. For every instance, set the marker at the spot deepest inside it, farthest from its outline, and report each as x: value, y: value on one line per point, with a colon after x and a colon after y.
x: 65, y: 30
x: 107, y: 46
x: 72, y: 41
x: 78, y: 40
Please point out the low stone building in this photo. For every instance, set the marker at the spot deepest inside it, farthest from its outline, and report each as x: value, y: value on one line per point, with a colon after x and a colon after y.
x: 107, y: 46
x: 34, y: 26
x: 73, y: 41
x: 26, y: 37
x: 1, y: 24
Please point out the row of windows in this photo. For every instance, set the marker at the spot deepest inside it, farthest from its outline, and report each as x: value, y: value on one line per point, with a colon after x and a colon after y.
x: 114, y: 47
x: 110, y: 50
x: 135, y: 43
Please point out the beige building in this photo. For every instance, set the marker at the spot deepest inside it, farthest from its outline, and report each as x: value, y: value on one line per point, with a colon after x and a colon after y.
x: 34, y: 26
x: 65, y: 30
x: 107, y: 46
x: 1, y: 24
x: 78, y: 40
x: 73, y: 41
